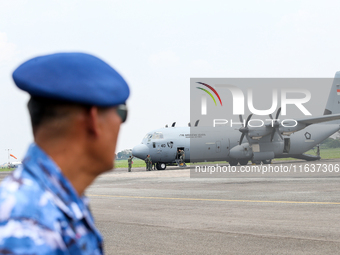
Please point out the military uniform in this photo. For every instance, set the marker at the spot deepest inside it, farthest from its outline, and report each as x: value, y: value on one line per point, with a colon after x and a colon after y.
x: 129, y: 164
x: 182, y: 156
x: 148, y: 162
x: 41, y: 212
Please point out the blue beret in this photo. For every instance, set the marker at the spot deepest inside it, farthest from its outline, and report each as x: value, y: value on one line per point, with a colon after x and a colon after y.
x: 74, y: 77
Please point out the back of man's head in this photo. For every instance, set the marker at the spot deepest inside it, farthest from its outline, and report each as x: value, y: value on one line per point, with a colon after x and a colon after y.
x: 55, y: 115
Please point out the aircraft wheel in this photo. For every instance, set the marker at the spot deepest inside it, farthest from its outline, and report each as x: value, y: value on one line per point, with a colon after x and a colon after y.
x: 243, y: 162
x: 160, y: 166
x: 269, y: 161
x: 233, y: 162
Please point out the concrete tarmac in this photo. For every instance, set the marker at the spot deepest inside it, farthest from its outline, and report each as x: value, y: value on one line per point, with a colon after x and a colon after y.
x: 167, y: 212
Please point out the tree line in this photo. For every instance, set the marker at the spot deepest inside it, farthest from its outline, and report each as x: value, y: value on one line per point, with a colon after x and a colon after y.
x: 331, y: 143
x: 124, y: 154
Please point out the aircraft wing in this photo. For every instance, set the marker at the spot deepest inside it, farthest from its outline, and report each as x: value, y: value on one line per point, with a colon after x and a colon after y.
x: 323, y: 118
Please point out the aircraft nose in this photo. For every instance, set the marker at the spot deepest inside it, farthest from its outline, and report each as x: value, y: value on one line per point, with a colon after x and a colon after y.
x: 140, y: 151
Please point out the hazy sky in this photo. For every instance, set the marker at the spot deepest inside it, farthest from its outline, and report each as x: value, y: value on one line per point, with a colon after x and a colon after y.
x: 158, y: 45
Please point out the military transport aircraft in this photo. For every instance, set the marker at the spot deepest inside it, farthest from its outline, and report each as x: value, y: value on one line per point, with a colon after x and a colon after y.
x: 262, y: 144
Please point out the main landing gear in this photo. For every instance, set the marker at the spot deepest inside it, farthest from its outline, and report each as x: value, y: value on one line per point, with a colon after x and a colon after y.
x: 244, y: 162
x: 160, y: 166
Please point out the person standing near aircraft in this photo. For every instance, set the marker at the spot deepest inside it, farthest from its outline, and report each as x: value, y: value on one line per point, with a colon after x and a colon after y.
x: 181, y: 156
x: 77, y: 105
x: 130, y: 162
x: 148, y: 162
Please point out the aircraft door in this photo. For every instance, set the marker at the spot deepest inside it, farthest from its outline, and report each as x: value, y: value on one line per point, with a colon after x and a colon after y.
x: 177, y: 151
x: 286, y: 147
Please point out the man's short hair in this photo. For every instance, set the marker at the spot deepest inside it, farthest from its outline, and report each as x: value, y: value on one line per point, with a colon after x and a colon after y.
x: 43, y: 110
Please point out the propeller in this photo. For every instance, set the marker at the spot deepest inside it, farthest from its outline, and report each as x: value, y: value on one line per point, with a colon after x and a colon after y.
x: 276, y: 125
x: 196, y: 123
x: 244, y: 129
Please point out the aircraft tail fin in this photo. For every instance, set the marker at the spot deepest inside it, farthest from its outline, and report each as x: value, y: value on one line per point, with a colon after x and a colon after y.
x: 333, y: 103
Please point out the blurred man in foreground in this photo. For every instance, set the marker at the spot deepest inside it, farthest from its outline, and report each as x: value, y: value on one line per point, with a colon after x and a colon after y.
x: 77, y: 105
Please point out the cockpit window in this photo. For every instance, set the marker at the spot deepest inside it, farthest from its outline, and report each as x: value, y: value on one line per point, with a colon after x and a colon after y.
x: 147, y: 136
x: 157, y: 135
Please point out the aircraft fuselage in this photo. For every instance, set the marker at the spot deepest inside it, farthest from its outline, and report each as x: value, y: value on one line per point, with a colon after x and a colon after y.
x: 202, y: 144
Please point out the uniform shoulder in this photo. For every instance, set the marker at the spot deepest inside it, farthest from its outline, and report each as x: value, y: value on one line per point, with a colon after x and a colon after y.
x: 22, y: 197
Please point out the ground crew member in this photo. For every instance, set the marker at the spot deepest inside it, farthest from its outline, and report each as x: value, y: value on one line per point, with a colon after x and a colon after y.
x: 130, y: 163
x: 148, y: 162
x: 182, y: 155
x: 77, y: 105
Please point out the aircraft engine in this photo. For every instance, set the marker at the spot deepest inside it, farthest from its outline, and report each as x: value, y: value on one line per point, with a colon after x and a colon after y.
x: 243, y: 151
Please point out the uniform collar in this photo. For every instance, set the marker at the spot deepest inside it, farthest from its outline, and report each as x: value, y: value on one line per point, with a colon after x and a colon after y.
x: 49, y: 175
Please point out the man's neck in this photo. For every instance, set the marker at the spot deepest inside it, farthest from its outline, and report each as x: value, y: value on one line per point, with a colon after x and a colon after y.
x: 71, y: 158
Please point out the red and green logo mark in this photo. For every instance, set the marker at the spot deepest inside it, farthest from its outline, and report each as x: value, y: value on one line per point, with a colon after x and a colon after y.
x: 213, y: 90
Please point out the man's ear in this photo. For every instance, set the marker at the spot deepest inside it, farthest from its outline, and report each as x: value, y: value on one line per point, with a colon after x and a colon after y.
x: 92, y: 121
